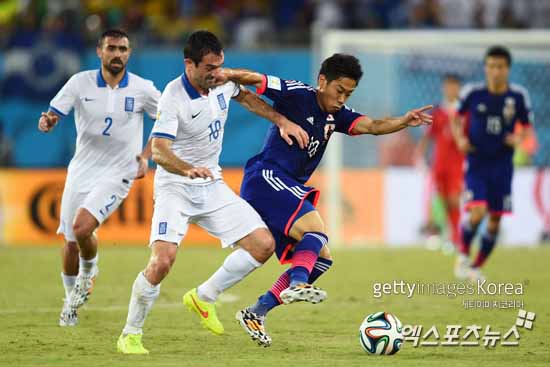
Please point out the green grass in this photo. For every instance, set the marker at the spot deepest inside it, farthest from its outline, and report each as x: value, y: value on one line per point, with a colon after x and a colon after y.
x: 303, y: 335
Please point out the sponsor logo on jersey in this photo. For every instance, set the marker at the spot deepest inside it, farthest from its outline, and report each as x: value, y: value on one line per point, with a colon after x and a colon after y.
x: 481, y: 108
x: 311, y: 120
x: 330, y: 117
x: 129, y: 104
x: 221, y: 101
x: 509, y: 110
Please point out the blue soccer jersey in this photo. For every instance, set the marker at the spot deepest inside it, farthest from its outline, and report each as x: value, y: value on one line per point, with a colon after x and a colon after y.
x: 274, y: 180
x: 298, y: 102
x: 490, y: 117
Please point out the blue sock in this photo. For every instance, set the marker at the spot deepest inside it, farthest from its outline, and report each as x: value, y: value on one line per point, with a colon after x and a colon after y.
x: 468, y: 233
x: 305, y: 256
x: 265, y: 303
x: 321, y: 266
x: 488, y: 241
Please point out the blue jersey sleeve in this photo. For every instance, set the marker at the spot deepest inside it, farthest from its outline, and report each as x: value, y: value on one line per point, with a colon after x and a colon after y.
x: 278, y: 90
x: 464, y: 99
x: 346, y: 119
x: 525, y: 113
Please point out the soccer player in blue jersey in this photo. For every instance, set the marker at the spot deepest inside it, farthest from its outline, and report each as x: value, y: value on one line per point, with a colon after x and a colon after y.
x: 484, y: 129
x: 275, y: 180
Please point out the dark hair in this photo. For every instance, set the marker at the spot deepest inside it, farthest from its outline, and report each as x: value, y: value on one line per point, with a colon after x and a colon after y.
x: 499, y: 51
x: 451, y: 77
x: 201, y: 43
x: 341, y: 66
x: 115, y: 33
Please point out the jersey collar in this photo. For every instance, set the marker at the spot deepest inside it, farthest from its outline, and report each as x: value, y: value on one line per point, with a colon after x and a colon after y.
x: 191, y: 91
x: 101, y: 83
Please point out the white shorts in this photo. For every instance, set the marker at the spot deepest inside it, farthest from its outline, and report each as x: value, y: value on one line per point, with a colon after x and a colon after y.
x: 213, y: 206
x: 101, y: 202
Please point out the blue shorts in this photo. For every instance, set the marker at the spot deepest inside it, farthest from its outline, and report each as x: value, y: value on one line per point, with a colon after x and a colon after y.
x: 489, y: 184
x: 280, y: 200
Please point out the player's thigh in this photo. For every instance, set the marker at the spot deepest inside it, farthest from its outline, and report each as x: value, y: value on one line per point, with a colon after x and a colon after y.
x: 235, y: 220
x: 105, y: 198
x: 70, y: 202
x: 309, y: 222
x: 169, y: 223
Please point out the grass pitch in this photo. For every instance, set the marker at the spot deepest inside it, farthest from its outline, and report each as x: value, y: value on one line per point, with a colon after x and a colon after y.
x: 303, y: 334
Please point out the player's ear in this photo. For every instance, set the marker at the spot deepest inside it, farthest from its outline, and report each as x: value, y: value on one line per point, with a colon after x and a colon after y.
x: 322, y: 81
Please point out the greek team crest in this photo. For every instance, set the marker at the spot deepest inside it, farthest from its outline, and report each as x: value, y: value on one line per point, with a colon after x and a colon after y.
x: 129, y: 104
x: 221, y: 101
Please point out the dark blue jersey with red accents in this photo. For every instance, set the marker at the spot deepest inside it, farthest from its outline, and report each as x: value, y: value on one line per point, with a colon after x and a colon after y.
x: 298, y: 103
x: 490, y: 117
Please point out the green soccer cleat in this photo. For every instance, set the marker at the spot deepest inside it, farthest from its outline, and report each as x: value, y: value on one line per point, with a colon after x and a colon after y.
x: 205, y: 310
x: 130, y: 344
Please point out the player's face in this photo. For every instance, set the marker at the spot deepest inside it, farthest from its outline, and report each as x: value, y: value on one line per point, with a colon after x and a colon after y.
x: 451, y: 89
x: 206, y: 73
x: 496, y: 70
x: 114, y: 54
x: 335, y: 93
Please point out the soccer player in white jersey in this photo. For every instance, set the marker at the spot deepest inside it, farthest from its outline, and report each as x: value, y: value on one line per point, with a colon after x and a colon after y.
x: 186, y: 143
x: 109, y: 104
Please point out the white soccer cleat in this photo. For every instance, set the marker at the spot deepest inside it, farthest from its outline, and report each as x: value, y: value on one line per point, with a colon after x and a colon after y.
x: 475, y: 274
x: 462, y: 267
x: 68, y: 316
x: 303, y: 292
x: 83, y: 287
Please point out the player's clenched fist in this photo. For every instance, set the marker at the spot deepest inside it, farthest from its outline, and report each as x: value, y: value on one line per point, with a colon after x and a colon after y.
x: 47, y: 121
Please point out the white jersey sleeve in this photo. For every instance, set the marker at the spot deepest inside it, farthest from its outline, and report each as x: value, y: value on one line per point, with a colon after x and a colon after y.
x: 152, y: 96
x: 166, y: 125
x: 66, y: 98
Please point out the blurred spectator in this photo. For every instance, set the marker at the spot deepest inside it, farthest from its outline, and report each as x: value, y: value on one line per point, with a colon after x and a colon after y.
x: 5, y: 148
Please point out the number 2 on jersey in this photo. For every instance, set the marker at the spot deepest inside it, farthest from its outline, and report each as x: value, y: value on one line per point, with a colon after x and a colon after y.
x: 109, y: 122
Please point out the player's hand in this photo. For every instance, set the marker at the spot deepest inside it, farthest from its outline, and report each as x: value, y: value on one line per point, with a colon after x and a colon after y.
x: 199, y: 172
x: 47, y: 122
x: 512, y: 140
x: 143, y: 166
x: 289, y: 130
x: 221, y: 76
x: 464, y: 145
x: 418, y: 117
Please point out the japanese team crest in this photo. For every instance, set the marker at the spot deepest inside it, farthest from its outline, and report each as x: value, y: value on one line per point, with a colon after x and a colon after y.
x: 129, y: 104
x: 509, y: 110
x: 221, y: 101
x: 329, y: 129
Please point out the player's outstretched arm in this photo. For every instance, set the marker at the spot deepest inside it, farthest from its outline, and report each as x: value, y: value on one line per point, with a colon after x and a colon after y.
x: 243, y: 77
x: 287, y: 128
x: 457, y: 129
x: 165, y: 157
x: 47, y: 121
x: 389, y: 125
x: 143, y: 159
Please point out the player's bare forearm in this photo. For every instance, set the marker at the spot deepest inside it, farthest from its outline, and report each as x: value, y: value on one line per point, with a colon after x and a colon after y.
x: 379, y: 127
x: 148, y: 149
x: 244, y: 77
x: 164, y: 156
x: 258, y: 106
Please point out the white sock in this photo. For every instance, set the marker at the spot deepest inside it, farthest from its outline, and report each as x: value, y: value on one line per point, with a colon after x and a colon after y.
x: 68, y: 283
x: 235, y: 267
x: 86, y: 266
x: 143, y: 296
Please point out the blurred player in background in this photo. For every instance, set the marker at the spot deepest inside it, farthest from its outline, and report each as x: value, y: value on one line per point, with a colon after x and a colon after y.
x: 484, y: 130
x: 274, y: 180
x: 189, y: 188
x: 447, y: 159
x: 109, y: 104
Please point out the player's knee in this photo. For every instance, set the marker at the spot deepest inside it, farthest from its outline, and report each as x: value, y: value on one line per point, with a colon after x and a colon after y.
x: 71, y: 248
x: 264, y: 247
x: 82, y: 230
